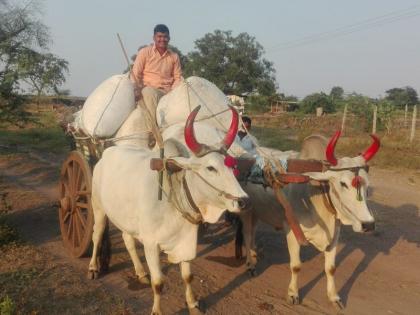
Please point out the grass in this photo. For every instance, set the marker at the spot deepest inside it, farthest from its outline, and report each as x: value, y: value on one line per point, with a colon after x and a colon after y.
x: 395, y: 152
x: 45, y: 135
x: 276, y: 138
x: 7, y: 306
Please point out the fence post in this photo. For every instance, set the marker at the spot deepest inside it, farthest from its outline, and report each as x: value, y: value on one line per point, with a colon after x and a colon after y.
x: 405, y: 115
x: 413, y: 124
x: 343, y: 122
x: 375, y: 114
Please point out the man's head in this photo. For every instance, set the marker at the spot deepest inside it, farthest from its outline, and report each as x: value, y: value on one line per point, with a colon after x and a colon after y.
x: 247, y: 122
x: 161, y: 36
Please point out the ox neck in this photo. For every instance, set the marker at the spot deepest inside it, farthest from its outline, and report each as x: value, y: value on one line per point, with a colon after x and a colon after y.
x: 180, y: 196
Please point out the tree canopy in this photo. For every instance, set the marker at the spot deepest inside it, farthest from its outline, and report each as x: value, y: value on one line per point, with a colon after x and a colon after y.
x: 43, y: 72
x: 312, y: 101
x: 234, y: 63
x: 22, y: 34
x: 399, y: 97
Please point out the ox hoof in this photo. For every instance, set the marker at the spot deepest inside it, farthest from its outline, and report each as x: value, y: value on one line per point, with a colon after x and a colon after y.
x: 144, y: 279
x: 293, y: 299
x: 198, y: 309
x: 252, y: 272
x: 93, y: 274
x: 338, y: 304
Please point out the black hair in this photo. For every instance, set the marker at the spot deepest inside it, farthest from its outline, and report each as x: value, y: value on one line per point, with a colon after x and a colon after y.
x: 161, y: 28
x: 246, y: 119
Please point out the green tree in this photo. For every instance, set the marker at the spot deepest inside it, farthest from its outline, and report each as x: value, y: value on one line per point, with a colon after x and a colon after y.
x: 386, y: 113
x: 43, y: 72
x: 21, y: 30
x: 399, y: 97
x: 312, y: 101
x: 337, y: 93
x: 235, y: 64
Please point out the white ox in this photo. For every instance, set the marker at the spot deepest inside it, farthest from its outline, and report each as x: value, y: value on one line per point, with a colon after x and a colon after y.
x: 320, y: 212
x: 125, y: 189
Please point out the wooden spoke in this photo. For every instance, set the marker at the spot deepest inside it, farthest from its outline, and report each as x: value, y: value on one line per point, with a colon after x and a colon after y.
x: 82, y: 204
x: 70, y: 227
x: 81, y: 218
x: 73, y: 234
x: 67, y: 216
x: 83, y: 192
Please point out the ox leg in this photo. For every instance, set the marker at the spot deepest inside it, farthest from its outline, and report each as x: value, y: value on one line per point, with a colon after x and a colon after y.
x: 330, y: 270
x: 187, y: 276
x: 249, y: 227
x: 295, y: 265
x: 152, y: 258
x: 130, y: 244
x: 98, y: 231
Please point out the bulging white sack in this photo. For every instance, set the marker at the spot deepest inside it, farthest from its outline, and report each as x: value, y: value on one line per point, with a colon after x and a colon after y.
x: 108, y: 106
x: 175, y: 106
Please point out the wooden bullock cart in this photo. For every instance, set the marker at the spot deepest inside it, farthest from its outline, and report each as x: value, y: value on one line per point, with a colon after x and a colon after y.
x: 75, y: 211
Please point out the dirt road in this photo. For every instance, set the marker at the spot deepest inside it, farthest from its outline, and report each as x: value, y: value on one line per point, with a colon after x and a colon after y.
x: 377, y: 274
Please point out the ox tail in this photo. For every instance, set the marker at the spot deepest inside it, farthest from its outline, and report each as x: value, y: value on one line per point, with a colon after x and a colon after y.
x: 239, y: 238
x: 105, y: 253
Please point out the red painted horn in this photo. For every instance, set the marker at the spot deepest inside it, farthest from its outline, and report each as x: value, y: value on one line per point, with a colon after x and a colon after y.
x: 374, y: 147
x: 329, y: 152
x: 233, y: 129
x: 189, y: 134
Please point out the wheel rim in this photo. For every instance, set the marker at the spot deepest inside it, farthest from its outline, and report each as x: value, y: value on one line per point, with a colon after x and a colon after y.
x: 75, y: 213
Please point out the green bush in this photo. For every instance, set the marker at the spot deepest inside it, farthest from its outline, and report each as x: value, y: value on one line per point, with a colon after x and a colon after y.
x: 7, y: 306
x: 312, y: 101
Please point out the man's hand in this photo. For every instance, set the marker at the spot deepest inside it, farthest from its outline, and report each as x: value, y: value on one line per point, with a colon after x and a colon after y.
x: 137, y: 93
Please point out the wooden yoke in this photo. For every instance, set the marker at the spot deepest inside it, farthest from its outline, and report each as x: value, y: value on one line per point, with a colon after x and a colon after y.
x: 156, y: 164
x: 276, y: 183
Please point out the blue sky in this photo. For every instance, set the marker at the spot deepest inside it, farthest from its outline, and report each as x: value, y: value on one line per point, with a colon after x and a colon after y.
x: 369, y: 61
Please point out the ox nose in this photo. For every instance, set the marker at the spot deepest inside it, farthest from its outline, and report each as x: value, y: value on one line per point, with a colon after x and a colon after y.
x: 244, y: 203
x: 368, y: 226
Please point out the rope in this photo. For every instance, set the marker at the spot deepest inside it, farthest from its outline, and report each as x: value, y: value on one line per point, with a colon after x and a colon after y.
x: 219, y: 191
x: 204, y: 103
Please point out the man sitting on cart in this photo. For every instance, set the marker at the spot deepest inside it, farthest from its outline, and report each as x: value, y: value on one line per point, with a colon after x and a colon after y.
x: 156, y: 71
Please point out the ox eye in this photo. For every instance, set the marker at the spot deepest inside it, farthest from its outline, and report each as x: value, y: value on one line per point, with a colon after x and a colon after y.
x: 211, y: 169
x: 344, y: 185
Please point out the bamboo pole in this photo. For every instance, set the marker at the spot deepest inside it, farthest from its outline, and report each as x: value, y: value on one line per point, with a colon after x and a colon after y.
x: 375, y: 115
x: 405, y: 115
x: 413, y: 124
x: 343, y: 122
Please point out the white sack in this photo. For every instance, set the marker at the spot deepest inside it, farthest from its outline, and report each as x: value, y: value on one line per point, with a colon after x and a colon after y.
x: 108, y: 106
x: 77, y: 121
x: 175, y: 106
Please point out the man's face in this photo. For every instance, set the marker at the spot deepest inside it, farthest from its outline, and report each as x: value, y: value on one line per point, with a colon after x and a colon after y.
x: 247, y: 125
x: 161, y: 40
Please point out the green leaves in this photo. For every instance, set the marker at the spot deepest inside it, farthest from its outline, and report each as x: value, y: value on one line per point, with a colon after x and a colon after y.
x: 234, y: 64
x: 402, y: 96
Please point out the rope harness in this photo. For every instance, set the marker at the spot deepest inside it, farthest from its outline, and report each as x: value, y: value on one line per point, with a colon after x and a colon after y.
x: 180, y: 195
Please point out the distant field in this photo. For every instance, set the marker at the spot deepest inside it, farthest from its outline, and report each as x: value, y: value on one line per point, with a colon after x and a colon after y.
x: 44, y: 134
x: 286, y: 132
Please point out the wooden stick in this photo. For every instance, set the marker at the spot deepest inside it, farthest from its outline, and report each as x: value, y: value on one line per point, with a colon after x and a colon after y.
x: 124, y: 52
x: 343, y: 122
x: 375, y: 114
x: 413, y: 124
x: 405, y: 115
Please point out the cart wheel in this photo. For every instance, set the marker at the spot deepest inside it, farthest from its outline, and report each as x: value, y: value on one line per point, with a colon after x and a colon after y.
x: 75, y: 213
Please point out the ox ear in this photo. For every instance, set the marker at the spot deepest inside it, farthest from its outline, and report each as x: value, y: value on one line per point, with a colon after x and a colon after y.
x: 321, y: 176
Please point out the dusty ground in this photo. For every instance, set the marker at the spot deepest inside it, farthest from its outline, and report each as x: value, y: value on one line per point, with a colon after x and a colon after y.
x: 377, y: 274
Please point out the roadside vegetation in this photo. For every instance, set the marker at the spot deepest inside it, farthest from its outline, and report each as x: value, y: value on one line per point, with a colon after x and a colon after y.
x: 287, y: 131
